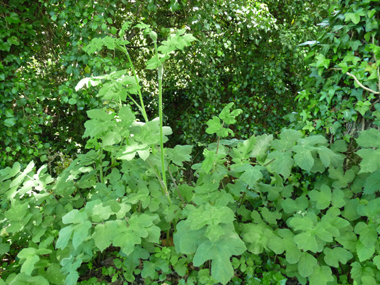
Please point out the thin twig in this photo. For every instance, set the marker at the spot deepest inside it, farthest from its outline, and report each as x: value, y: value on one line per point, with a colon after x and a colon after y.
x: 361, y: 85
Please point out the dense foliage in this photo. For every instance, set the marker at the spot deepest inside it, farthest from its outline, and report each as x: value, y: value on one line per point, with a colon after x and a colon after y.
x: 247, y: 53
x: 295, y: 206
x: 341, y: 97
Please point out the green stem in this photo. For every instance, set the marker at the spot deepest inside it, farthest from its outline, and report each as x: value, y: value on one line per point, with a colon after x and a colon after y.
x: 160, y: 114
x: 124, y: 50
x: 101, y: 166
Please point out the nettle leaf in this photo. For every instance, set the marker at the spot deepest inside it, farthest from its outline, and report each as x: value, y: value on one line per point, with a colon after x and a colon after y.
x: 229, y: 117
x: 322, y: 197
x: 179, y: 154
x: 336, y: 255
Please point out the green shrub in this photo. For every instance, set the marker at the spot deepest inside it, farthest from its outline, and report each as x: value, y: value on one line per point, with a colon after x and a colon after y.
x: 259, y: 211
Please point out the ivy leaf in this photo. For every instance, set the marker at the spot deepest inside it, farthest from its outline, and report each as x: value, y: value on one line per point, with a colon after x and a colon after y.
x: 336, y: 255
x: 306, y: 264
x: 354, y: 17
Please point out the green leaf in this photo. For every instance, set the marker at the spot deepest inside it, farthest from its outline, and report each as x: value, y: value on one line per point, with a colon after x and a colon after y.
x: 220, y: 254
x: 64, y: 236
x: 372, y: 183
x: 282, y: 163
x: 80, y: 233
x: 227, y: 116
x: 364, y: 253
x: 13, y: 18
x: 354, y: 17
x: 299, y: 204
x: 22, y: 279
x: 251, y: 175
x: 262, y: 145
x: 322, y: 275
x: 286, y: 243
x: 179, y: 154
x: 111, y: 138
x: 10, y: 122
x: 306, y: 264
x: 342, y: 179
x: 322, y: 197
x: 336, y: 255
x: 214, y: 125
x: 104, y: 234
x: 28, y: 258
x: 306, y: 241
x: 368, y: 234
